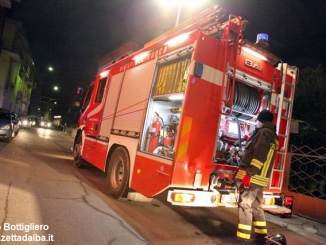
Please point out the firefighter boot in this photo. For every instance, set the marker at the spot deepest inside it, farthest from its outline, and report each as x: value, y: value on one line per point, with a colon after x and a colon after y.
x: 259, y: 240
x: 241, y: 242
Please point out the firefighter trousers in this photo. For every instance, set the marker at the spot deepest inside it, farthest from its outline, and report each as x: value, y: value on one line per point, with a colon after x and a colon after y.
x: 250, y: 213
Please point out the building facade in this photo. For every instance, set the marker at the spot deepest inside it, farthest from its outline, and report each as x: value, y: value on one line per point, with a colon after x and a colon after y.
x: 17, y: 72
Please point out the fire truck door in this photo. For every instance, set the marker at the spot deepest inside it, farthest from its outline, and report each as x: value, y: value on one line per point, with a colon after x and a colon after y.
x: 91, y: 126
x: 94, y: 117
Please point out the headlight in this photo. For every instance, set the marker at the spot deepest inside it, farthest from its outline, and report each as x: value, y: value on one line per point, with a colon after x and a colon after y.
x: 49, y: 124
x: 25, y: 122
x: 7, y: 126
x: 42, y: 123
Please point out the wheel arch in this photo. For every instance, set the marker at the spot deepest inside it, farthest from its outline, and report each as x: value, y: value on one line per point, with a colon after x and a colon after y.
x: 110, y: 153
x: 118, y: 190
x: 131, y: 146
x: 78, y: 133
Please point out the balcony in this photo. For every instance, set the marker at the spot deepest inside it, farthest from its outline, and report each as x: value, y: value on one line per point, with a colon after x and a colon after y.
x: 25, y: 100
x: 24, y: 72
x: 19, y: 95
x: 29, y: 83
x: 16, y: 56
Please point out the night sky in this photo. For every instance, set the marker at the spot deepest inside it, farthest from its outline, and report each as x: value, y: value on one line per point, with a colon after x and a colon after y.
x: 71, y: 35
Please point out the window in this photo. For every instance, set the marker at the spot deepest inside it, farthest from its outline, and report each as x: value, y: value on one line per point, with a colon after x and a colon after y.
x: 4, y: 114
x: 100, y: 90
x: 88, y: 97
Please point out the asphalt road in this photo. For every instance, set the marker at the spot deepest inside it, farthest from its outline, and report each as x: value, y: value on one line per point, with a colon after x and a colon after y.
x: 39, y: 186
x: 44, y: 198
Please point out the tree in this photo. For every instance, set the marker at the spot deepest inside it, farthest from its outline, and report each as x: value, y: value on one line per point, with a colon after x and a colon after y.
x: 309, y: 108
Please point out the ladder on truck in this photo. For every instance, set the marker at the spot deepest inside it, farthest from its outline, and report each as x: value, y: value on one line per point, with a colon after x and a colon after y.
x: 284, y: 106
x: 232, y: 36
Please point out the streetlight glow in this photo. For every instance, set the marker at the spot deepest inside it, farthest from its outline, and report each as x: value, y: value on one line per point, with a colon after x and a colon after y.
x: 55, y: 88
x: 169, y: 4
x: 50, y: 68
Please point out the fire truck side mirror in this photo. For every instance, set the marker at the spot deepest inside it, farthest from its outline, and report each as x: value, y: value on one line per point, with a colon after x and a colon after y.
x: 80, y: 91
x: 79, y: 97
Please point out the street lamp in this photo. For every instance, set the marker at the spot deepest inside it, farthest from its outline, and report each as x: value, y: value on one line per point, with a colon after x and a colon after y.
x: 178, y: 14
x: 180, y: 3
x: 55, y: 88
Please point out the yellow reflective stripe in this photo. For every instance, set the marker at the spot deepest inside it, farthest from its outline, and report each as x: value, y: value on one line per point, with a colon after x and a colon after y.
x: 243, y: 235
x: 244, y: 227
x: 268, y: 162
x: 259, y: 180
x: 272, y: 149
x: 260, y: 231
x: 240, y: 174
x: 260, y: 223
x: 256, y: 163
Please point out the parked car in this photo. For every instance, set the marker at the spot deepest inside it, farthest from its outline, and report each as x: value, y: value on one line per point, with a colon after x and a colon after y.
x: 9, y: 125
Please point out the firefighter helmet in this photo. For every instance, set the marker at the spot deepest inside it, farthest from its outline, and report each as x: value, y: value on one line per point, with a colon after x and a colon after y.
x: 278, y: 238
x: 265, y: 116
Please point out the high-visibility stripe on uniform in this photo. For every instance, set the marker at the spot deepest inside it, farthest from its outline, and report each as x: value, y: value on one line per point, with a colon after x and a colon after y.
x: 268, y: 160
x: 240, y: 174
x: 262, y: 179
x: 256, y: 163
x: 244, y: 227
x: 259, y: 180
x: 243, y: 235
x: 244, y: 231
x: 260, y: 227
x: 260, y: 231
x: 259, y: 223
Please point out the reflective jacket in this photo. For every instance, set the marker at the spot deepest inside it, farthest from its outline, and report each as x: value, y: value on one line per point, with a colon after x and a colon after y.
x: 259, y: 156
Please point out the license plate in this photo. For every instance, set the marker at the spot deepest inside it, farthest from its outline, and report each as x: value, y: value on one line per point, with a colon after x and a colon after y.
x: 230, y: 198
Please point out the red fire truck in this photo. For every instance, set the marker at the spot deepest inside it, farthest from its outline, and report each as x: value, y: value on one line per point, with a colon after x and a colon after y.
x: 176, y: 115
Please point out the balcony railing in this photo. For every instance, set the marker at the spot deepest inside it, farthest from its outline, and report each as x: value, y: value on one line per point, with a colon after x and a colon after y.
x: 24, y: 73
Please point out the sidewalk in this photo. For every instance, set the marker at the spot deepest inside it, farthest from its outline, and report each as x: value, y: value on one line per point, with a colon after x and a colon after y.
x: 308, y: 228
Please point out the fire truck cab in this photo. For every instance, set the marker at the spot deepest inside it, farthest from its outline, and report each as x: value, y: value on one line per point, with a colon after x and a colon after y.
x: 177, y: 115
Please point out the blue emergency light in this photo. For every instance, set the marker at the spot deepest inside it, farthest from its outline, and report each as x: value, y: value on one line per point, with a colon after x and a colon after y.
x: 262, y: 40
x: 262, y: 37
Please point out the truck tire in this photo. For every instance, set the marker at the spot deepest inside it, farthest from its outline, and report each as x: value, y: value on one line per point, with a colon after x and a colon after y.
x: 118, y: 173
x: 78, y: 160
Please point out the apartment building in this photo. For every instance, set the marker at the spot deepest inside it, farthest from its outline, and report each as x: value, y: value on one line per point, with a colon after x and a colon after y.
x: 17, y: 71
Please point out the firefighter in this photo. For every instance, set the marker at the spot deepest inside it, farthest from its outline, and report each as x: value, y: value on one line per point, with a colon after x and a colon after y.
x: 254, y: 172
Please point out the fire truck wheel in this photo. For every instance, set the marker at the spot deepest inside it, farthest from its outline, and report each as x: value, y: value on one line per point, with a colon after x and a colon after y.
x: 118, y: 173
x: 78, y: 160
